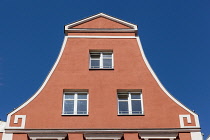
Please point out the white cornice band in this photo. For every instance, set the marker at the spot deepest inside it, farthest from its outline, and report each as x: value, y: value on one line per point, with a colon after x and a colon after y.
x: 101, y: 30
x: 57, y: 131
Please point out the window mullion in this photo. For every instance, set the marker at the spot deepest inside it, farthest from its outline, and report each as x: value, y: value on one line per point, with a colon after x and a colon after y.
x: 129, y: 103
x: 112, y: 61
x: 64, y: 102
x: 75, y: 103
x: 142, y: 108
x: 101, y: 60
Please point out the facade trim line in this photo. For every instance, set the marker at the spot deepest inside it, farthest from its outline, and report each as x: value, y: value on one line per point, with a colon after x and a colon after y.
x: 101, y: 36
x: 101, y: 30
x: 68, y: 26
x: 163, y: 88
x: 100, y: 130
x: 42, y: 86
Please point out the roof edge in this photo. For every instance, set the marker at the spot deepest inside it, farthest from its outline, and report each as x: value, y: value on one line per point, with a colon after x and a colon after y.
x: 163, y: 88
x: 41, y: 87
x: 133, y: 26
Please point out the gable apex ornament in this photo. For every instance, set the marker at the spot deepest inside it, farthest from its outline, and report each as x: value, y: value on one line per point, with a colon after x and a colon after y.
x: 131, y: 28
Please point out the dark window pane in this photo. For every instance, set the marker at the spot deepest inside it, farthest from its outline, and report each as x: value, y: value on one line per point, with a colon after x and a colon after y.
x: 107, y: 55
x: 95, y: 56
x: 136, y: 107
x: 123, y: 96
x: 82, y: 107
x: 82, y: 96
x: 123, y: 107
x: 135, y: 96
x: 95, y: 63
x: 107, y: 63
x: 69, y: 107
x: 69, y: 96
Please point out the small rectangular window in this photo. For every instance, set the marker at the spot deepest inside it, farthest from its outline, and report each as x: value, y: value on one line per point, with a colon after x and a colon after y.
x: 75, y: 103
x: 101, y: 60
x: 130, y: 103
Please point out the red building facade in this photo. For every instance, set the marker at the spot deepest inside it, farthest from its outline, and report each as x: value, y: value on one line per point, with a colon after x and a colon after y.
x: 102, y: 87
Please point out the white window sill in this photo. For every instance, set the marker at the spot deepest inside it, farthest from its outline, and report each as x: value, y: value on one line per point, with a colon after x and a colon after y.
x: 101, y: 68
x: 74, y: 114
x: 130, y: 114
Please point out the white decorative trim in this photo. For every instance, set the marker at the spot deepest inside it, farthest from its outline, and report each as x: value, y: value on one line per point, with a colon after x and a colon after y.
x: 161, y: 135
x: 102, y: 136
x: 101, y: 15
x: 2, y: 126
x: 147, y: 138
x: 42, y: 86
x: 7, y: 136
x: 57, y: 131
x: 162, y: 87
x: 47, y: 136
x: 80, y: 36
x: 197, y: 123
x: 196, y: 136
x: 17, y: 117
x: 181, y: 119
x: 101, y: 30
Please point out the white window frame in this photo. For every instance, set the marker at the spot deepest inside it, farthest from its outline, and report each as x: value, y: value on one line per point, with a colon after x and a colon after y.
x: 75, y: 102
x: 101, y: 66
x: 130, y: 103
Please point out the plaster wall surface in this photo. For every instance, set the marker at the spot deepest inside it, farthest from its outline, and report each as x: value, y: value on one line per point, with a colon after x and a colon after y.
x: 130, y: 72
x: 20, y: 137
x: 185, y: 136
x: 101, y: 22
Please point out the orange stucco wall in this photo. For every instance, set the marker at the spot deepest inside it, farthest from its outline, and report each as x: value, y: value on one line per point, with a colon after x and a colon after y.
x: 130, y: 72
x: 20, y: 137
x: 75, y: 136
x: 184, y: 136
x: 101, y: 22
x: 131, y: 136
x: 72, y: 72
x: 1, y: 135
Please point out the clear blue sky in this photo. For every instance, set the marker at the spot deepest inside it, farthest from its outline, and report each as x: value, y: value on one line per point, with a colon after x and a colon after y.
x: 175, y: 35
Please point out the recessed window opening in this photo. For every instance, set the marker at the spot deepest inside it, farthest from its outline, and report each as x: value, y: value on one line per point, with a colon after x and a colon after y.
x: 75, y: 103
x: 101, y: 60
x: 130, y: 103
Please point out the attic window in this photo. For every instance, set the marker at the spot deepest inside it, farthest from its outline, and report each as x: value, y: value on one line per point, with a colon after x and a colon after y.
x: 101, y: 60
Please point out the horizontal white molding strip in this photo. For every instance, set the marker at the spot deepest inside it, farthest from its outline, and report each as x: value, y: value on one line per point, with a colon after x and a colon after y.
x: 101, y: 36
x: 102, y: 30
x: 99, y: 130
